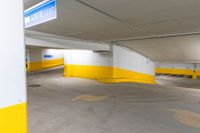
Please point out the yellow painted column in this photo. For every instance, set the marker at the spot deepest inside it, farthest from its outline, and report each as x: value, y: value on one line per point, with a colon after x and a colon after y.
x: 194, y: 76
x: 68, y: 70
x: 13, y: 101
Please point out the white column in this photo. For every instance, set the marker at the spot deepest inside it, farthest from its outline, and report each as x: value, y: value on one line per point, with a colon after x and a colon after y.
x: 35, y: 54
x: 12, y: 68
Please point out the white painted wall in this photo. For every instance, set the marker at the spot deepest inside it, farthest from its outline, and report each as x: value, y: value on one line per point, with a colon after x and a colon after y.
x: 121, y: 58
x: 37, y: 54
x: 198, y: 67
x: 129, y: 60
x: 175, y: 65
x: 86, y: 57
x: 34, y: 55
x: 12, y: 54
x: 55, y: 53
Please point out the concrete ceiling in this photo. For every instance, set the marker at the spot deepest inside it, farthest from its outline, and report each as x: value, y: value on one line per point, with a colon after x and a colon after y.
x: 171, y: 49
x: 108, y: 20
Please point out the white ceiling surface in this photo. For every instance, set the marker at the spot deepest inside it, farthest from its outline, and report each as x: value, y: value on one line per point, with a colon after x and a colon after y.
x: 79, y: 21
x: 176, y: 49
x: 130, y: 19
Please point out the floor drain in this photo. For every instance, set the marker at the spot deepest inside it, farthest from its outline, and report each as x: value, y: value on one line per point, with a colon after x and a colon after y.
x: 34, y: 85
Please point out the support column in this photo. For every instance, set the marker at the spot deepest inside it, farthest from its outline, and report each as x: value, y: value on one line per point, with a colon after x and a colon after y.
x: 35, y: 59
x: 13, y: 103
x: 194, y: 76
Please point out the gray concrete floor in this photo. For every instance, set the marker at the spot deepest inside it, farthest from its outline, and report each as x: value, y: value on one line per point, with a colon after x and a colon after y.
x: 178, y: 81
x: 71, y: 105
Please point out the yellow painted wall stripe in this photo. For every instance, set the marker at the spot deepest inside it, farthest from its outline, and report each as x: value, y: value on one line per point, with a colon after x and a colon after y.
x: 85, y: 71
x: 122, y: 75
x: 174, y: 71
x: 52, y: 63
x: 14, y: 119
x: 36, y: 66
x: 198, y: 72
x: 107, y: 74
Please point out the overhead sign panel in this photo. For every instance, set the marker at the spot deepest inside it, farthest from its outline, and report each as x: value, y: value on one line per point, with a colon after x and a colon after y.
x: 40, y: 13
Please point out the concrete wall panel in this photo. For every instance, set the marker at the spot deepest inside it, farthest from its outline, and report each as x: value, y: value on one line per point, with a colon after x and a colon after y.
x: 86, y: 57
x: 122, y: 65
x: 130, y: 60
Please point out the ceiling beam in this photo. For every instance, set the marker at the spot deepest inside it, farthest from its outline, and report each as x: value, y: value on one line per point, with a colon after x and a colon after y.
x: 39, y: 39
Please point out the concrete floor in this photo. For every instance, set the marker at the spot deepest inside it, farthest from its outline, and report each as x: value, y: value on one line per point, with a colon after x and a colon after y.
x: 71, y: 105
x: 178, y: 81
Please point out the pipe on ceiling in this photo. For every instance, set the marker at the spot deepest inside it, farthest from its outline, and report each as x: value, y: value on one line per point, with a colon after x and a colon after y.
x: 157, y: 36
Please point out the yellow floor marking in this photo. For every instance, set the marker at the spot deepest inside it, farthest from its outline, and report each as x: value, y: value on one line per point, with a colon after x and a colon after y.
x: 188, y: 118
x: 90, y: 98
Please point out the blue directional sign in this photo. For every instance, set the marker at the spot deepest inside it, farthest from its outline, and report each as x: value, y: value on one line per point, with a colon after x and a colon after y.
x: 40, y: 13
x: 48, y: 56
